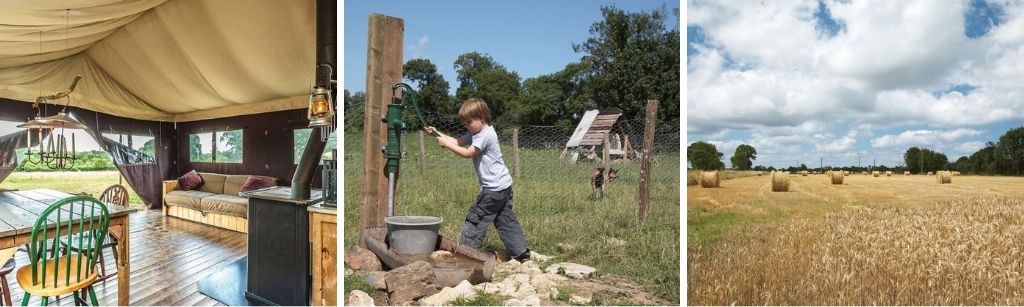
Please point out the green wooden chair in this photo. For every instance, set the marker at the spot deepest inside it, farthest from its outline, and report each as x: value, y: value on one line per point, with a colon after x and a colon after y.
x: 80, y: 220
x: 117, y: 195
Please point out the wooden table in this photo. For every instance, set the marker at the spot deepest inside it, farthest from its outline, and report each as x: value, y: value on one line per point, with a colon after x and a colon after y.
x: 20, y: 209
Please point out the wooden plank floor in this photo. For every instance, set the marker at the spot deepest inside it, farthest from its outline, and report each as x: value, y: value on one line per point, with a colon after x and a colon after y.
x: 169, y: 256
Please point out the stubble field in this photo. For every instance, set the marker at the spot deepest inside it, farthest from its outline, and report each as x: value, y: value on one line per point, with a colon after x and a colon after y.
x: 872, y: 240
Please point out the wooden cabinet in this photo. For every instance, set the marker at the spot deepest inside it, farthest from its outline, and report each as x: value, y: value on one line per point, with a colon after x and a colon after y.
x: 323, y: 235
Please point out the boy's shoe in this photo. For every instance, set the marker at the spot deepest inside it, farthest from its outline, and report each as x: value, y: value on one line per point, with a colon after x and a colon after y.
x: 524, y: 257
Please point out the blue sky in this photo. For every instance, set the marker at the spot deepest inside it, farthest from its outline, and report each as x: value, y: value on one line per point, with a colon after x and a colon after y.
x: 532, y: 38
x: 806, y: 81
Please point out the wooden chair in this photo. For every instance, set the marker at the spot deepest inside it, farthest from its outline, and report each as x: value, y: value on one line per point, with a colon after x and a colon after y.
x: 79, y: 220
x: 4, y: 271
x: 118, y: 195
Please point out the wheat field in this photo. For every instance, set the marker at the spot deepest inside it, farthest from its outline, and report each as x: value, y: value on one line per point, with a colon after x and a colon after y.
x: 904, y: 240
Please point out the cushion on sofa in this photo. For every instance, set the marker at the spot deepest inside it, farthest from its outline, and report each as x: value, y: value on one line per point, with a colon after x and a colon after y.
x: 190, y: 181
x: 256, y: 183
x: 213, y: 183
x: 234, y: 183
x: 188, y: 199
x: 225, y: 204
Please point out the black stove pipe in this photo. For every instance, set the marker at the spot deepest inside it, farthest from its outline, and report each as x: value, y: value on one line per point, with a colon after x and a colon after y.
x: 326, y: 53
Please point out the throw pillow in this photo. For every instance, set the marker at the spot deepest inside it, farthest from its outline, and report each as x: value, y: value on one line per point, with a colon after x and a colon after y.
x: 190, y: 181
x: 256, y: 183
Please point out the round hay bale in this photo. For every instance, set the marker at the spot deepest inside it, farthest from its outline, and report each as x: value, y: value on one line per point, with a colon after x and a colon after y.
x: 803, y: 173
x: 780, y: 182
x: 956, y: 173
x: 906, y: 173
x: 930, y: 173
x: 875, y: 173
x: 846, y: 173
x: 944, y: 177
x: 691, y: 180
x: 836, y: 177
x: 709, y: 179
x: 888, y: 173
x: 759, y: 173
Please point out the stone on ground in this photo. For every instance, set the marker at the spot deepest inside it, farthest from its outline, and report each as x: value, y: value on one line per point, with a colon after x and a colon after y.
x: 577, y: 271
x: 359, y: 298
x: 361, y: 259
x: 447, y: 295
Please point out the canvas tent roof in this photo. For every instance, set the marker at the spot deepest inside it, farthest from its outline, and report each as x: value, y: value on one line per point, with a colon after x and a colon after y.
x: 166, y: 60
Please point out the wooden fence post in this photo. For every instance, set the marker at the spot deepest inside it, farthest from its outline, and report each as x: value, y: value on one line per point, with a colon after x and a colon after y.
x: 604, y: 160
x: 650, y: 120
x: 384, y: 68
x: 423, y: 156
x: 515, y: 149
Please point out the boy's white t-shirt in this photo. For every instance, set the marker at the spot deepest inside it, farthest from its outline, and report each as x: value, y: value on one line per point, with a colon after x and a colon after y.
x: 489, y: 164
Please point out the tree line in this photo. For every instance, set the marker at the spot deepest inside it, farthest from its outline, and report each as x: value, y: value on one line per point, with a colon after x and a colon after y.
x: 1003, y: 157
x: 629, y: 58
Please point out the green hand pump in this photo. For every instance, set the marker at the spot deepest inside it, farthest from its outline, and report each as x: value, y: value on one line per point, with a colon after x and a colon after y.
x: 393, y: 120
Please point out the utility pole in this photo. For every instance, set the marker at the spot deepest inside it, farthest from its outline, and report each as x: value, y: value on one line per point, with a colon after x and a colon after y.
x: 858, y: 159
x: 821, y: 164
x: 920, y: 156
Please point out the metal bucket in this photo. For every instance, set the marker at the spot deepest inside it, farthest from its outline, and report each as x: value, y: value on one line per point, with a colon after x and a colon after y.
x: 413, y: 235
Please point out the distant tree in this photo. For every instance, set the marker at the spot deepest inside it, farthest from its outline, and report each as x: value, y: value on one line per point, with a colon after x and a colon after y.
x: 481, y: 77
x: 803, y: 167
x: 925, y: 160
x: 634, y: 57
x: 553, y: 99
x: 148, y: 148
x: 195, y: 147
x: 231, y: 150
x: 962, y: 165
x: 1010, y: 152
x: 432, y: 89
x: 912, y: 158
x: 704, y: 156
x: 743, y: 158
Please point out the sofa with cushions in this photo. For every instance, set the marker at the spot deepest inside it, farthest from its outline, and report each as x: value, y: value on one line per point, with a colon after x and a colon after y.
x: 215, y: 201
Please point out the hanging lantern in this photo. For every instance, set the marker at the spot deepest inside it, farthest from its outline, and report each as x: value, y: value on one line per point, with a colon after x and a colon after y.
x: 321, y: 102
x: 321, y: 107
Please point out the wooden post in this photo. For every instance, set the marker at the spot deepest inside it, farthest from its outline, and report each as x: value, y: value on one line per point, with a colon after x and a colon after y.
x: 423, y: 156
x: 383, y: 68
x: 604, y: 159
x: 650, y: 120
x: 515, y: 149
x: 627, y: 149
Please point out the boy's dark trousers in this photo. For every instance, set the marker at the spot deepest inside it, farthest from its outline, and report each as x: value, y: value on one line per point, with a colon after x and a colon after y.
x: 494, y: 207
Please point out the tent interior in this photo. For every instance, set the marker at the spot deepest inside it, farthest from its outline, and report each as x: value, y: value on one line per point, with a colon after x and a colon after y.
x: 177, y: 72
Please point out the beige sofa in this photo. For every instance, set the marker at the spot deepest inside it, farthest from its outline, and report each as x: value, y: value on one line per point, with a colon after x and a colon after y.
x: 214, y: 203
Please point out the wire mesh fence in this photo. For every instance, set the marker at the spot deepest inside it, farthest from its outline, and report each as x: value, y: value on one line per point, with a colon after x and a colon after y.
x: 535, y: 155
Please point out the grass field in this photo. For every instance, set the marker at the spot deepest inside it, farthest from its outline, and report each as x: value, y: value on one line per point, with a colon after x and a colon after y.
x: 93, y: 182
x: 554, y: 203
x: 886, y: 240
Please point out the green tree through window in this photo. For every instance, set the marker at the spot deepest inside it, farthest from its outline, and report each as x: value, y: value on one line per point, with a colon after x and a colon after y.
x: 302, y: 137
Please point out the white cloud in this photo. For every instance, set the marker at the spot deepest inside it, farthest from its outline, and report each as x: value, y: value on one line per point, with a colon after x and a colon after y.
x: 417, y: 50
x: 799, y: 94
x: 927, y: 138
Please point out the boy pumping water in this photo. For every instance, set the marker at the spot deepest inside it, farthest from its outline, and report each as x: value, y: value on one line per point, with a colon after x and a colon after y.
x: 494, y: 204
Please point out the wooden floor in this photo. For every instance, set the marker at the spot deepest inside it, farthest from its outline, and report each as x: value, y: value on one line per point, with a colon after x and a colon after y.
x: 168, y: 258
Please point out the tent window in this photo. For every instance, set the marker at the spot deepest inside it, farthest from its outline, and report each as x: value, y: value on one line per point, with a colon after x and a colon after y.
x: 216, y: 147
x: 229, y: 146
x: 302, y: 136
x: 141, y: 143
